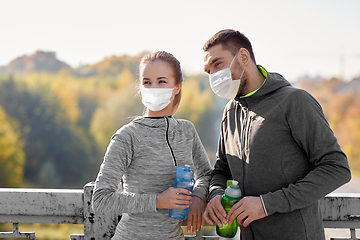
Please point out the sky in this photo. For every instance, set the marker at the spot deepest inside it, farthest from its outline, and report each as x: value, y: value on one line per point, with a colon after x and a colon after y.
x: 293, y: 38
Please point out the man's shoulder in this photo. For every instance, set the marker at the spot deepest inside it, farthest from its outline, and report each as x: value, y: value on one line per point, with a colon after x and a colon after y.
x: 290, y: 93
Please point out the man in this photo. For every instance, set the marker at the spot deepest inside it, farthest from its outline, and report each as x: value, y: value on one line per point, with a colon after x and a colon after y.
x: 275, y: 141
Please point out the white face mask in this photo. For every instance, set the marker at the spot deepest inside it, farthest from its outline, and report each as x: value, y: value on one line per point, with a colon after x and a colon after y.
x: 222, y: 84
x: 156, y: 99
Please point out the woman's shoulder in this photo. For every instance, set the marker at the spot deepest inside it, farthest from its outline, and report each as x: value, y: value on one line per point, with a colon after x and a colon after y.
x: 185, y: 123
x: 130, y: 130
x: 186, y: 126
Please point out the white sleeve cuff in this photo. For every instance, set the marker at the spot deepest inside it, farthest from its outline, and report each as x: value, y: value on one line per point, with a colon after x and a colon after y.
x: 262, y: 201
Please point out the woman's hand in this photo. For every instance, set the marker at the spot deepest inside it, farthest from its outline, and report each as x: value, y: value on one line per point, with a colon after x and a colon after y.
x: 195, y: 217
x: 171, y: 198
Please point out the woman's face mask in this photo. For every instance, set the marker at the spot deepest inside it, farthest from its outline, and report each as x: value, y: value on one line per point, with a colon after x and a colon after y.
x: 156, y: 99
x: 222, y: 84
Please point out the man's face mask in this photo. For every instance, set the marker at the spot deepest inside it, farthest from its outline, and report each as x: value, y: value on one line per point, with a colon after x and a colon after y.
x: 222, y: 84
x: 156, y: 99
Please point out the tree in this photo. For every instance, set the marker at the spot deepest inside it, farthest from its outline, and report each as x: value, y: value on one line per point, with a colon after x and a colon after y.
x: 50, y: 137
x: 194, y: 101
x: 348, y: 129
x: 12, y: 156
x: 126, y: 78
x: 119, y: 109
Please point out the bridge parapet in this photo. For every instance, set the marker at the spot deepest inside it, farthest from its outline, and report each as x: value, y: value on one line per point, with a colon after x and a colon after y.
x: 58, y: 206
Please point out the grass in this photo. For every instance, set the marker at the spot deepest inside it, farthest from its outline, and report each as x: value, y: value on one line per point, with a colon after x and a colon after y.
x: 47, y: 231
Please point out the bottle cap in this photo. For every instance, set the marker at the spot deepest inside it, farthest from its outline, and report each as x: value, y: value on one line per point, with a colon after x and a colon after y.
x: 185, y: 172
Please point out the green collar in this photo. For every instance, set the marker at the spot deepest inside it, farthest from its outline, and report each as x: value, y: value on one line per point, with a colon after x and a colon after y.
x: 264, y: 73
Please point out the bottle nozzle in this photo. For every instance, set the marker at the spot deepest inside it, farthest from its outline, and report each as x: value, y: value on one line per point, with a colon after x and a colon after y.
x: 234, y: 183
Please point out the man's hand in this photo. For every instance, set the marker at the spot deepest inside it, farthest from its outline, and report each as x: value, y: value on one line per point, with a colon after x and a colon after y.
x: 246, y: 211
x: 195, y: 217
x: 215, y: 212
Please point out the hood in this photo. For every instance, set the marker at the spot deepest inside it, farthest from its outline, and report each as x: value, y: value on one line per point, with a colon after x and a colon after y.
x: 156, y: 122
x: 273, y: 82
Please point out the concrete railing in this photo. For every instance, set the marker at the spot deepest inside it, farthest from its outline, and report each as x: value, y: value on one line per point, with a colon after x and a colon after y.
x: 55, y: 206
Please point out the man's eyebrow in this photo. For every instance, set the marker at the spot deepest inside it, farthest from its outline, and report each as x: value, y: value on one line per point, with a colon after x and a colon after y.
x: 212, y: 62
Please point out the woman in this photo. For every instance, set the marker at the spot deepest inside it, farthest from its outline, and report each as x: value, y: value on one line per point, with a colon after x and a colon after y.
x: 145, y: 154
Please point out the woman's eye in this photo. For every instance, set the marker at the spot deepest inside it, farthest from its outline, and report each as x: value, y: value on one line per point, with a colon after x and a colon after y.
x: 146, y: 82
x: 162, y: 81
x: 217, y: 64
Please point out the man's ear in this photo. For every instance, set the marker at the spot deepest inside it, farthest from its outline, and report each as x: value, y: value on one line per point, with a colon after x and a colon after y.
x: 244, y: 57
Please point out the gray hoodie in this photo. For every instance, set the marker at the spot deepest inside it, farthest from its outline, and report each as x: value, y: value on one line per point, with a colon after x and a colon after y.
x: 144, y: 155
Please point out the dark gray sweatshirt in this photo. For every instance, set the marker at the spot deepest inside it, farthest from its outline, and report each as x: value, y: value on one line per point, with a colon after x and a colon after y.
x: 145, y: 155
x: 278, y: 145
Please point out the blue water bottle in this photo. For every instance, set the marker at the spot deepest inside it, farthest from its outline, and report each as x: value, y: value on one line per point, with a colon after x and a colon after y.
x: 184, y: 179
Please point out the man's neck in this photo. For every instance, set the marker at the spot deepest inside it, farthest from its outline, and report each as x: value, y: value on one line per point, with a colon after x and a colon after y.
x: 254, y: 79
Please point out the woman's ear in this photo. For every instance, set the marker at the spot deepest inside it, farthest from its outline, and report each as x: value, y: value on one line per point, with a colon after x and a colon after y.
x: 178, y: 88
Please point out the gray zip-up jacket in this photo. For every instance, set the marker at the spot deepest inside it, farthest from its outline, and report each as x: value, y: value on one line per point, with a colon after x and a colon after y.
x: 278, y: 145
x: 145, y: 155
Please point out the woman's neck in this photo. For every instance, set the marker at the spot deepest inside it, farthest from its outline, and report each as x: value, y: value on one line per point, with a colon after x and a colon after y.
x: 161, y: 113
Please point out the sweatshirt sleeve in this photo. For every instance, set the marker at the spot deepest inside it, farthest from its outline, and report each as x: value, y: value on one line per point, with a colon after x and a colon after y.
x: 202, y: 169
x: 106, y: 196
x: 221, y: 172
x: 312, y: 132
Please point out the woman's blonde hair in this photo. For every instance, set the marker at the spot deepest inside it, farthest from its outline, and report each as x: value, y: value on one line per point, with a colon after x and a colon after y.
x: 174, y: 64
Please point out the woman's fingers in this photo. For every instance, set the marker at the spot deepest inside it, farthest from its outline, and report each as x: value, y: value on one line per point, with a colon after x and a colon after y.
x: 196, y: 214
x: 181, y: 191
x: 179, y: 198
x: 171, y: 198
x: 198, y: 222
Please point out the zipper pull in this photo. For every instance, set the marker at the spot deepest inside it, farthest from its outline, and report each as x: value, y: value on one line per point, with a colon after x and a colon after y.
x: 167, y: 140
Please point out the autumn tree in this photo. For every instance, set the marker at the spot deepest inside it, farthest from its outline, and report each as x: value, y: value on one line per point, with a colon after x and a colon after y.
x: 126, y: 78
x: 120, y: 108
x: 52, y: 143
x: 194, y: 101
x: 12, y: 156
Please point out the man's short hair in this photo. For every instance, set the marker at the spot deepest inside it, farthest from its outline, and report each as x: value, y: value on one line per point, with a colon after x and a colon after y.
x: 231, y: 40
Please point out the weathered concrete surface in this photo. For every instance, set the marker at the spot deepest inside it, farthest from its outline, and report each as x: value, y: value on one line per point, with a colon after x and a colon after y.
x: 352, y: 187
x: 41, y: 205
x: 341, y: 207
x: 97, y: 225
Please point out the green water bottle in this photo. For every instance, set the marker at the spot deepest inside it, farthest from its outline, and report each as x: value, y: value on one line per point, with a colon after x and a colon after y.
x: 232, y: 195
